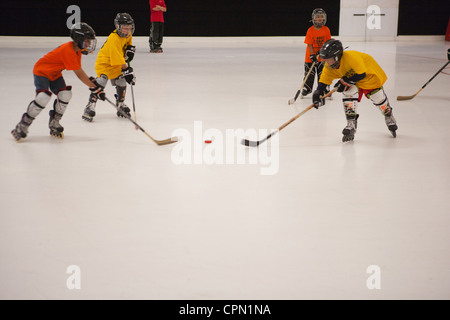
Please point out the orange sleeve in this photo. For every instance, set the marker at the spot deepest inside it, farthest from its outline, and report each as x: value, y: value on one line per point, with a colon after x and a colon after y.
x: 308, y: 37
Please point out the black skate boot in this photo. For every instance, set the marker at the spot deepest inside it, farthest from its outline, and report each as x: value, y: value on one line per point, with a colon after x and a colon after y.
x: 125, y: 110
x: 89, y: 112
x: 20, y: 132
x: 391, y: 124
x: 56, y: 130
x: 350, y: 130
x: 304, y: 93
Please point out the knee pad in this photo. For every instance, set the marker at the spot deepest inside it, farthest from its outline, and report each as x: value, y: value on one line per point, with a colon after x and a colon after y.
x: 102, y: 80
x: 351, y: 92
x: 42, y: 98
x: 379, y: 99
x: 64, y: 95
x: 39, y: 103
x: 350, y: 106
x: 119, y: 82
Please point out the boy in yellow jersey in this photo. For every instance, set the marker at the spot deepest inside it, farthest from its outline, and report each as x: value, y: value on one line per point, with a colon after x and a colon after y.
x: 358, y: 74
x: 113, y: 63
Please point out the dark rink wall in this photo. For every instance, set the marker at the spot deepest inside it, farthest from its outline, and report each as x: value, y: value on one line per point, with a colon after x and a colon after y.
x: 206, y: 18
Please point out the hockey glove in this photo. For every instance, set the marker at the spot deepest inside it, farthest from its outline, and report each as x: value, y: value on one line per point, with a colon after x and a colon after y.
x: 129, y: 53
x: 317, y: 98
x: 128, y: 75
x: 313, y: 58
x: 343, y: 84
x: 97, y: 91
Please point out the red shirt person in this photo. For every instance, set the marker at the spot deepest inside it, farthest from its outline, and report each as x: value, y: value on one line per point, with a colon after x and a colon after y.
x: 157, y: 10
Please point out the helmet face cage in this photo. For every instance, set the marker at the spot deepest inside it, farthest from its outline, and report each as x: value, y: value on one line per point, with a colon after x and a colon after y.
x: 90, y: 48
x: 79, y: 33
x: 332, y: 49
x: 319, y: 17
x: 124, y: 19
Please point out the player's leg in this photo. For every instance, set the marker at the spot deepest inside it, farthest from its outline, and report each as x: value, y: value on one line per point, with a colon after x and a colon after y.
x: 309, y: 83
x: 160, y: 36
x: 380, y: 100
x: 63, y: 96
x: 121, y: 88
x: 89, y: 110
x: 154, y: 37
x: 42, y: 98
x: 150, y: 37
x: 350, y: 102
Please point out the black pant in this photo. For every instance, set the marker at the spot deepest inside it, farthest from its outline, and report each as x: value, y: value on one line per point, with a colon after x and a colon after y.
x: 156, y: 35
x: 308, y: 88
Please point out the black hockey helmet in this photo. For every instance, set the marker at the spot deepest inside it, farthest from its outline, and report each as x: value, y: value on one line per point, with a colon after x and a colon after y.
x: 81, y: 31
x: 332, y: 49
x: 124, y: 19
x: 319, y: 12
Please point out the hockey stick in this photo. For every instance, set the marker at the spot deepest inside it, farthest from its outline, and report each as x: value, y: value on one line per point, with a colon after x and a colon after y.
x: 292, y: 101
x: 249, y: 143
x: 158, y: 142
x: 132, y: 97
x: 402, y: 98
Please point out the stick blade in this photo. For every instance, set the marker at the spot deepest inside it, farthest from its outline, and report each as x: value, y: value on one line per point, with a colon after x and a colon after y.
x: 403, y: 98
x: 291, y: 101
x: 249, y: 143
x: 166, y: 141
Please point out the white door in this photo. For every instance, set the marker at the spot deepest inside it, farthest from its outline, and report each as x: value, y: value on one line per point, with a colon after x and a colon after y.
x: 368, y: 20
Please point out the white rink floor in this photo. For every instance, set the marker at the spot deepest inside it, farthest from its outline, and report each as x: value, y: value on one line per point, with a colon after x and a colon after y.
x: 110, y: 201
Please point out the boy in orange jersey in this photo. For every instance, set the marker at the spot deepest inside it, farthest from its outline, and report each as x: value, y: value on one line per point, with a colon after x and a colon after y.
x: 113, y: 64
x: 359, y: 74
x: 48, y: 75
x: 316, y: 36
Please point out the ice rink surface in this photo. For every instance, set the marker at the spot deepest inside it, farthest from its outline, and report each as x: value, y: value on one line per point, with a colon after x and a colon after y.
x: 329, y: 219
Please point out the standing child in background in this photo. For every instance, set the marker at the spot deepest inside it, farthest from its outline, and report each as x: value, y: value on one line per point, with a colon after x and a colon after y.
x: 359, y: 74
x: 113, y: 63
x: 48, y: 75
x: 316, y: 36
x: 157, y: 9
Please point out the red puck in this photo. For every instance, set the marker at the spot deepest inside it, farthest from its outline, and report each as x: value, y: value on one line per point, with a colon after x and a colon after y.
x: 208, y: 141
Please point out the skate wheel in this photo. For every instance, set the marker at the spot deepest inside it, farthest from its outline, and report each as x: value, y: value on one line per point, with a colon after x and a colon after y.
x: 348, y: 138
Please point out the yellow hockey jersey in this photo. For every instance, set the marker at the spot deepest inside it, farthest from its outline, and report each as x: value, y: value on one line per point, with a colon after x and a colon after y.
x: 356, y: 62
x: 111, y: 56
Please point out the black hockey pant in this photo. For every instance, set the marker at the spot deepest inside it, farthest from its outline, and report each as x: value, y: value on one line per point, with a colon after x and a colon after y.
x: 156, y: 35
x: 309, y: 84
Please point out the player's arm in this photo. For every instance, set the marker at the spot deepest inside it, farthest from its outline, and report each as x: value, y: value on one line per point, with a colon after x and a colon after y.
x: 84, y: 78
x: 312, y: 55
x: 317, y: 99
x: 346, y: 82
x: 94, y: 87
